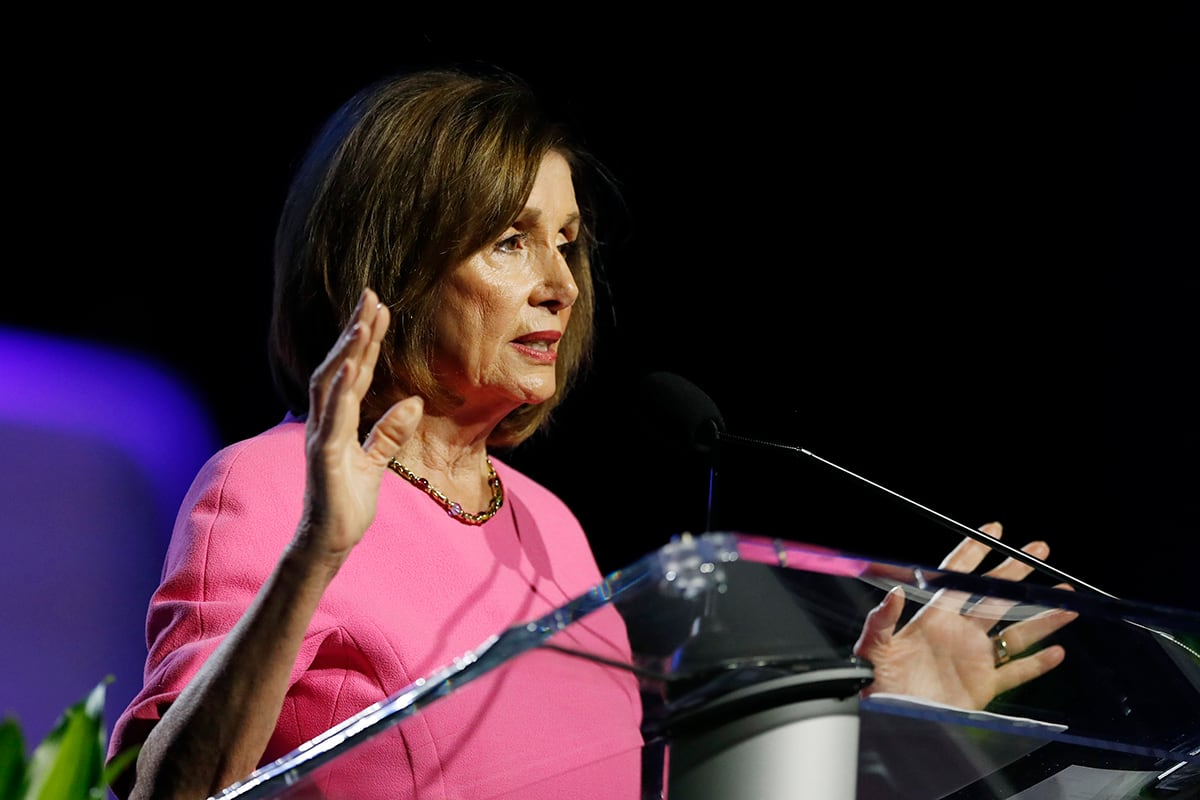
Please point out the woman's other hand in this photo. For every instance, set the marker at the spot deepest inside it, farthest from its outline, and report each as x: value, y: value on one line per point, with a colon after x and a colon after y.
x: 945, y: 653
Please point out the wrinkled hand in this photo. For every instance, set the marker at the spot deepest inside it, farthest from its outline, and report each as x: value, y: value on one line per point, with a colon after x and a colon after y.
x: 344, y: 475
x: 946, y: 655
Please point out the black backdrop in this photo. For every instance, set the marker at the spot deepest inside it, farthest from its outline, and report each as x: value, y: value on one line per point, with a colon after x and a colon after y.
x: 964, y: 269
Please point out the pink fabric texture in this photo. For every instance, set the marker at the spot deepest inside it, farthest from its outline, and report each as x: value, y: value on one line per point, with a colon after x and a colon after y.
x: 419, y: 591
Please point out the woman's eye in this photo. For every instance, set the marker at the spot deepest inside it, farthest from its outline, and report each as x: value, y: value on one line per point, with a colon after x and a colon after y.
x: 511, y: 244
x: 567, y: 249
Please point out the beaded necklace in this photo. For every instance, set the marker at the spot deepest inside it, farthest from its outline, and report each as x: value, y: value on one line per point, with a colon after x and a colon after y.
x: 452, y: 508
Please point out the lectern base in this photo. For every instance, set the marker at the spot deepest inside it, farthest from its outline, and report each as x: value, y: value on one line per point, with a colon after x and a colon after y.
x: 805, y: 749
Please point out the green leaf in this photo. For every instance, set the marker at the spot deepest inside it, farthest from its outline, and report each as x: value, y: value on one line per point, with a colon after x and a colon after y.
x: 68, y: 762
x: 12, y: 757
x: 118, y: 764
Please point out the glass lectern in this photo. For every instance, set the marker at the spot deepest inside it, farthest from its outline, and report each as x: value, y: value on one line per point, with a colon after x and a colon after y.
x: 743, y: 650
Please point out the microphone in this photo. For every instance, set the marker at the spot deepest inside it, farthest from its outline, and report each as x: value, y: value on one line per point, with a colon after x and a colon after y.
x: 680, y: 412
x: 683, y: 412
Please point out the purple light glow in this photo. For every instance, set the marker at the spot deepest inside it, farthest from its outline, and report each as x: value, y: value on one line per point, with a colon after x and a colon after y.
x: 102, y: 393
x: 97, y: 450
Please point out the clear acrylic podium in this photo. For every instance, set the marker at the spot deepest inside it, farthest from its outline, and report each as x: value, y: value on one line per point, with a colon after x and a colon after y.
x: 743, y: 650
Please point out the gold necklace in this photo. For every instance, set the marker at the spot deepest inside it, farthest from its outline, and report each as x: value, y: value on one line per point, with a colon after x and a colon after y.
x: 454, y: 509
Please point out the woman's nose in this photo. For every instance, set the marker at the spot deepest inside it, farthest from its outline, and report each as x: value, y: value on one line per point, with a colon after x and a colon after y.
x: 557, y: 289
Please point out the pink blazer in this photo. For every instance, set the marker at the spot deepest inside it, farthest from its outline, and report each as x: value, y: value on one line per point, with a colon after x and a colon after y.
x: 419, y: 591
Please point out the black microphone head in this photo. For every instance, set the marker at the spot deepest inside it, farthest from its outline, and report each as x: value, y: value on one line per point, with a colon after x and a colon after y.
x: 680, y: 413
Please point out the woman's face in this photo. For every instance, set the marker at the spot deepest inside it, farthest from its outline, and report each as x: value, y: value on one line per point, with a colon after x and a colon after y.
x: 505, y: 308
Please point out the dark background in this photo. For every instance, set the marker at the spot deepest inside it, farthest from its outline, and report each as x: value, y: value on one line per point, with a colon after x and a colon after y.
x: 964, y: 267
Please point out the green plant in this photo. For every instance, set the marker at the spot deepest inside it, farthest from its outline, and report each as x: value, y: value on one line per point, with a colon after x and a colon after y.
x: 69, y: 763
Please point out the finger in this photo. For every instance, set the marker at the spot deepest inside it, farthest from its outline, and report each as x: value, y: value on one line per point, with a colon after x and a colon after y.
x: 969, y: 553
x: 350, y: 344
x: 989, y: 611
x: 1011, y: 569
x: 1021, y: 636
x: 1022, y: 670
x: 881, y: 622
x: 959, y: 602
x: 372, y: 313
x: 376, y: 320
x: 349, y: 387
x: 331, y: 376
x: 393, y: 429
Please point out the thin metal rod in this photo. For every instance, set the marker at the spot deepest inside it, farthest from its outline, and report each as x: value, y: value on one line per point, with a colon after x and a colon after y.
x: 977, y: 535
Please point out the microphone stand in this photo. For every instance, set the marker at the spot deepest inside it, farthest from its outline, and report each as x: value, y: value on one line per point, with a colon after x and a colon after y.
x: 941, y: 519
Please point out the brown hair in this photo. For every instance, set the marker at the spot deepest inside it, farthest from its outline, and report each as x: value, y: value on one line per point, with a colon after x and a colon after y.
x: 407, y: 178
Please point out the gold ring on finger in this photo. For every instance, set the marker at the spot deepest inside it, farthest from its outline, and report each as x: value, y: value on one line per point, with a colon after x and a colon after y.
x: 1000, y: 648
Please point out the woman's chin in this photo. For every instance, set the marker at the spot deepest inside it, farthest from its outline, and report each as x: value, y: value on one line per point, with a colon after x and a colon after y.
x: 535, y: 395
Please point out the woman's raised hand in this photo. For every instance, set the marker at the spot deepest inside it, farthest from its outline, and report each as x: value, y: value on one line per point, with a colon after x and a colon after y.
x: 344, y: 474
